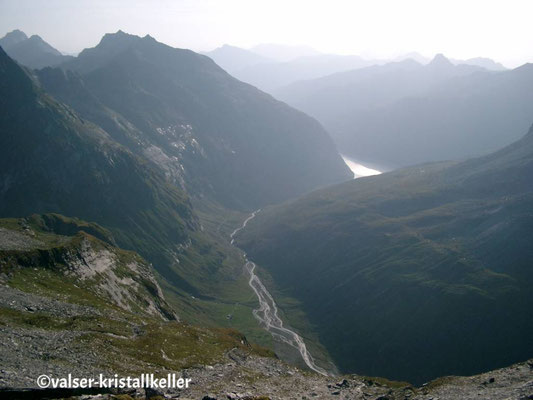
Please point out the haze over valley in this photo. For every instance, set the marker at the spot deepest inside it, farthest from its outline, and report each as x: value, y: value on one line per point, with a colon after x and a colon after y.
x: 334, y: 204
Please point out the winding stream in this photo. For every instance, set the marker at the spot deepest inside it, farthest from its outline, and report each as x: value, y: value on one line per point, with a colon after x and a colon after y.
x: 267, y: 313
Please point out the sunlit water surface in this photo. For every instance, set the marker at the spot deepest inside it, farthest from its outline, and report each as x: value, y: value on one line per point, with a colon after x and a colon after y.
x: 359, y: 170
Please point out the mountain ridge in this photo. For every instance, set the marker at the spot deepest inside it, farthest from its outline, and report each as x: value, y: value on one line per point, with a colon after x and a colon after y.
x: 169, y: 91
x: 395, y: 116
x: 32, y: 51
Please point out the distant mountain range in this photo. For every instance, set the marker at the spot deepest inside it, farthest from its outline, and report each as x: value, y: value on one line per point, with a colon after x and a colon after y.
x: 32, y: 52
x: 268, y: 74
x: 233, y: 58
x: 412, y: 274
x: 272, y: 73
x: 483, y: 62
x: 405, y: 113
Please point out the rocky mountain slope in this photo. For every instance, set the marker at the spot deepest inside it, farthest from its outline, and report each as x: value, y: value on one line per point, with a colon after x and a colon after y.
x: 72, y: 303
x: 412, y: 274
x: 33, y: 251
x: 33, y: 51
x: 54, y: 161
x: 75, y: 303
x: 211, y: 134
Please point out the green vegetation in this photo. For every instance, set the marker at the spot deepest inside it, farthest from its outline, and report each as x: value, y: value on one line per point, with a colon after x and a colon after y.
x: 75, y: 168
x: 168, y: 128
x: 79, y: 269
x: 220, y: 296
x: 142, y: 339
x: 413, y: 274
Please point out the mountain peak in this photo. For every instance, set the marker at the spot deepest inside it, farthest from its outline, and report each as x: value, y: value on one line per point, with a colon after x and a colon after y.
x: 120, y: 34
x: 35, y: 44
x: 440, y: 60
x: 32, y: 52
x: 525, y: 68
x: 12, y: 38
x: 16, y: 34
x: 113, y: 42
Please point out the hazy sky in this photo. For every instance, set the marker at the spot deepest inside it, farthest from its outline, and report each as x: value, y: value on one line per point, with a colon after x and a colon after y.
x: 500, y: 29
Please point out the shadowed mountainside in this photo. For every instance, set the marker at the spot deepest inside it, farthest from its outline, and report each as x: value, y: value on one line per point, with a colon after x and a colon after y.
x: 416, y: 273
x: 210, y: 133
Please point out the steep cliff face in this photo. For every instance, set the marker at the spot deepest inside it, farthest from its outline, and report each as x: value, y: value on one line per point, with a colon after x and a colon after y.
x: 33, y: 247
x: 76, y: 304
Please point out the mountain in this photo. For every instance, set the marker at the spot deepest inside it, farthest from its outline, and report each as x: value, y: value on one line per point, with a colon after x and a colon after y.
x: 337, y: 95
x: 66, y: 249
x: 73, y: 303
x: 13, y: 38
x: 412, y: 274
x: 233, y: 58
x: 271, y: 76
x: 282, y: 52
x: 483, y: 62
x: 32, y: 52
x: 212, y: 134
x: 458, y: 118
x: 54, y: 161
x: 419, y: 58
x: 402, y: 114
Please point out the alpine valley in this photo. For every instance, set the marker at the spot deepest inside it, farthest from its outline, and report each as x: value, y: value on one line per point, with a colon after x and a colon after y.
x: 158, y: 215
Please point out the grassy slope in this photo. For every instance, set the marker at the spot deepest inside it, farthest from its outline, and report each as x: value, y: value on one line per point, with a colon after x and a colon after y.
x: 72, y: 167
x: 139, y: 338
x: 223, y: 289
x: 413, y: 274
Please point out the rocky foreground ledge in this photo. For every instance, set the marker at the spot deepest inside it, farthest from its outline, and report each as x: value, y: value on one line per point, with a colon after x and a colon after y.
x: 73, y: 303
x: 249, y: 377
